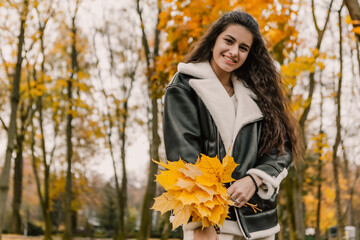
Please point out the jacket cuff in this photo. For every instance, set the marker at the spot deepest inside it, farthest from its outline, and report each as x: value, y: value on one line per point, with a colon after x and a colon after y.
x: 270, y: 183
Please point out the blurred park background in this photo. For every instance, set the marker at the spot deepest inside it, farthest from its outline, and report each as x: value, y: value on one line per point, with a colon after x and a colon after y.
x: 81, y: 94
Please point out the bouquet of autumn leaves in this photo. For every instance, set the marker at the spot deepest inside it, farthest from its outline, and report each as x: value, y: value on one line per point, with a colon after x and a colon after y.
x: 196, y: 190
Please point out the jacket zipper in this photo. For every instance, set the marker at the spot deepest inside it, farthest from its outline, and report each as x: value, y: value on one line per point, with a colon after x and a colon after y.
x: 236, y: 213
x: 246, y: 235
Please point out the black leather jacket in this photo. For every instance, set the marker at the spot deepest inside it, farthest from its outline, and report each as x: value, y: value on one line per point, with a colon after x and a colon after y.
x: 190, y: 129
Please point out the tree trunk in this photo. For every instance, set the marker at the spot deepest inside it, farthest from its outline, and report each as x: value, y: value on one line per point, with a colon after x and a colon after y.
x: 46, y: 199
x: 16, y: 225
x: 5, y: 174
x: 290, y: 205
x: 351, y: 217
x: 167, y: 227
x: 298, y: 201
x: 353, y: 7
x: 18, y: 176
x: 123, y: 119
x: 117, y: 235
x: 319, y: 167
x: 348, y: 214
x: 68, y: 233
x: 335, y: 160
x: 45, y: 211
x: 146, y: 212
x: 46, y: 165
x: 45, y: 195
x: 68, y: 193
x: 123, y: 196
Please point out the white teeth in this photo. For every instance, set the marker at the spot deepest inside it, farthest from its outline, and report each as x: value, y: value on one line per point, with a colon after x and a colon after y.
x: 229, y: 59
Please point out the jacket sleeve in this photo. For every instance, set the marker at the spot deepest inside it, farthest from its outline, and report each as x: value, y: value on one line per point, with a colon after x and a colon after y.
x: 182, y: 132
x: 272, y: 168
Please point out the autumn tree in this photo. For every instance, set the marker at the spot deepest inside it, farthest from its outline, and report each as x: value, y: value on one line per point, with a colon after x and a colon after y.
x: 39, y: 83
x: 335, y: 160
x: 5, y: 174
x: 24, y: 113
x: 151, y: 55
x: 74, y: 69
x: 123, y: 58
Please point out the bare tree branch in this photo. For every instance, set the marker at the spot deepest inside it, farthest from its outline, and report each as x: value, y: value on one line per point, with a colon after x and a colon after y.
x: 3, y: 123
x: 5, y: 64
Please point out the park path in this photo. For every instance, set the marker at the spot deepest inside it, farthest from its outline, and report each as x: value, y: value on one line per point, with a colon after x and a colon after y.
x: 21, y: 237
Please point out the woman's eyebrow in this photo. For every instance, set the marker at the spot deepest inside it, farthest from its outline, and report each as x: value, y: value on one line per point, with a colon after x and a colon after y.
x: 234, y: 39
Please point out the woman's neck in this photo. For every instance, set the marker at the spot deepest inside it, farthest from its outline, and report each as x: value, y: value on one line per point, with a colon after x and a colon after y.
x: 223, y: 76
x: 225, y: 79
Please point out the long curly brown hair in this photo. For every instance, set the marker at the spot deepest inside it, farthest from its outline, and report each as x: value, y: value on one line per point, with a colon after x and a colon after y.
x: 261, y: 75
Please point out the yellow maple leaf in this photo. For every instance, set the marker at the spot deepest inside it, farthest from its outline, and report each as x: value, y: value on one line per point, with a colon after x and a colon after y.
x: 211, y: 167
x: 188, y: 198
x: 191, y: 171
x: 171, y: 165
x: 187, y: 184
x: 182, y: 216
x: 204, y: 211
x: 202, y: 196
x: 229, y: 167
x: 216, y: 213
x: 164, y: 203
x: 210, y: 190
x: 168, y: 179
x: 209, y: 204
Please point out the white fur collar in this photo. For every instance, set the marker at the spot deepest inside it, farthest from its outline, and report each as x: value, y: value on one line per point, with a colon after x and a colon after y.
x: 213, y: 94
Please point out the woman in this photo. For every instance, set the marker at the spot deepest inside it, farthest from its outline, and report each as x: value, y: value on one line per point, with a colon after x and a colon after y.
x: 227, y: 97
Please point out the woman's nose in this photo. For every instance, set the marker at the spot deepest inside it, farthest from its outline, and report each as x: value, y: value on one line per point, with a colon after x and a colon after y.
x: 233, y: 51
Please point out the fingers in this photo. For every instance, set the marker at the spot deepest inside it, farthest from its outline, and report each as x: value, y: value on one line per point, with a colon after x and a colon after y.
x: 237, y: 202
x: 241, y: 191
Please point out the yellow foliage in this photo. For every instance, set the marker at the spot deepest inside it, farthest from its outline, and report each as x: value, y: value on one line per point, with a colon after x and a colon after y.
x: 320, y: 143
x: 356, y: 30
x: 62, y: 82
x: 196, y: 190
x: 82, y: 75
x: 348, y: 20
x: 293, y: 71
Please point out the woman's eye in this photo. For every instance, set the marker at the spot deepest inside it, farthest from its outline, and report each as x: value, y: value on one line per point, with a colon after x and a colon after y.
x: 228, y: 41
x: 243, y: 48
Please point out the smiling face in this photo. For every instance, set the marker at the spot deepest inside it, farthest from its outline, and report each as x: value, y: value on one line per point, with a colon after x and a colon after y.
x: 231, y: 49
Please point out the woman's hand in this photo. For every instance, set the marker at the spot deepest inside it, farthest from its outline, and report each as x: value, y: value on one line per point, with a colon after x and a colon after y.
x: 242, y: 190
x: 207, y: 233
